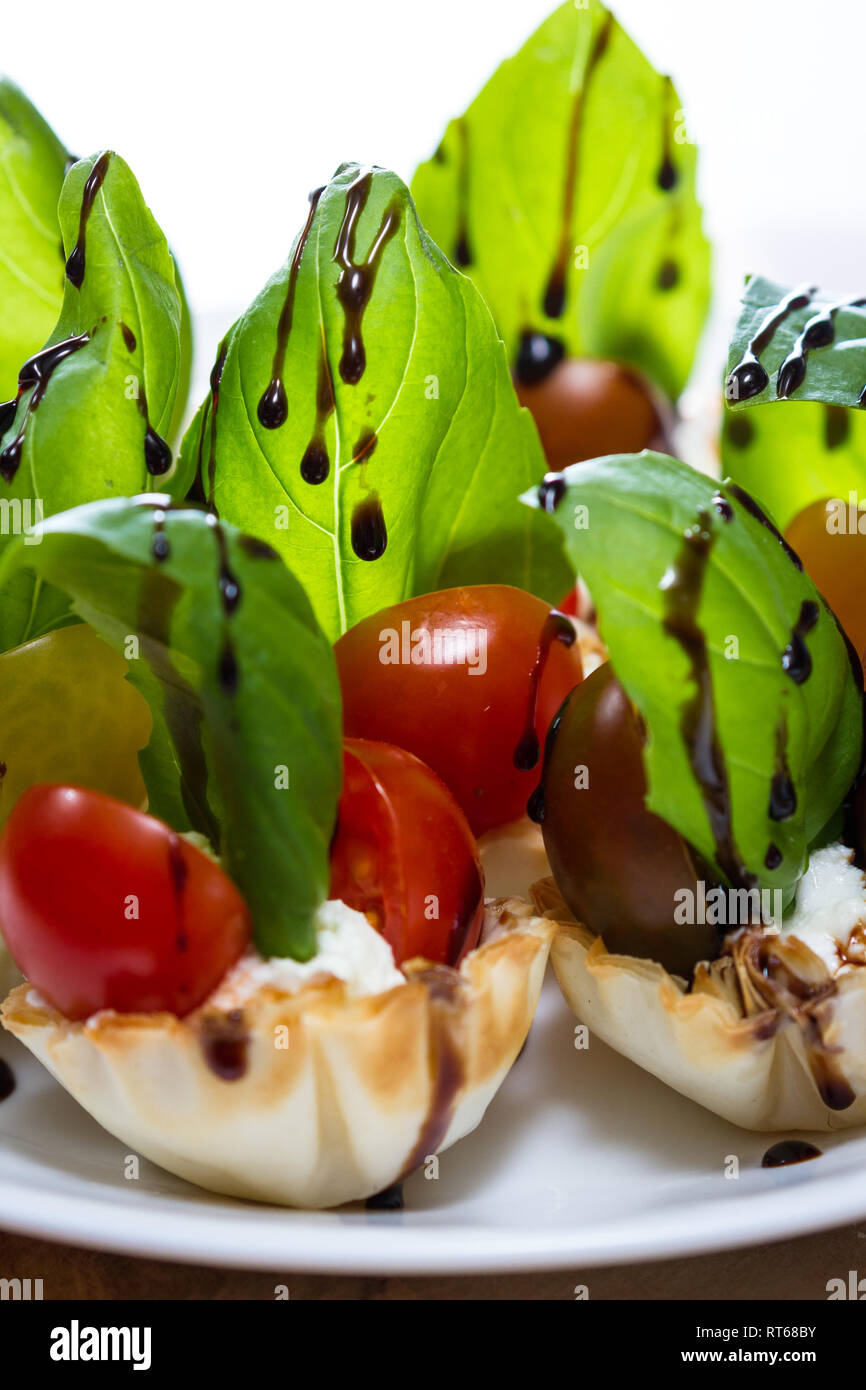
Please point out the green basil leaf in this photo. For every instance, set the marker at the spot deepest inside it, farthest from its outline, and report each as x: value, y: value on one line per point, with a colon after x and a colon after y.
x: 567, y: 192
x: 32, y: 167
x: 362, y: 418
x: 809, y: 349
x: 95, y: 405
x: 241, y: 682
x: 791, y: 458
x: 727, y: 650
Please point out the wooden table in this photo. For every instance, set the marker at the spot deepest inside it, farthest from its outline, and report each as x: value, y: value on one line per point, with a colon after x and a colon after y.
x: 795, y: 1269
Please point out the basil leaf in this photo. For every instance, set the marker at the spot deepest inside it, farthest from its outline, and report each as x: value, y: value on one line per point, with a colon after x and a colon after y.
x: 727, y: 650
x: 32, y: 166
x: 567, y: 192
x: 362, y: 418
x: 790, y: 344
x: 241, y: 683
x: 94, y: 406
x: 791, y: 458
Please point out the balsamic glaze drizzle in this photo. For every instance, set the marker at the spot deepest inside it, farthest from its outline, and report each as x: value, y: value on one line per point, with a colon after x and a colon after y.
x: 796, y: 660
x: 747, y: 500
x: 316, y: 464
x: 557, y: 628
x: 75, y: 265
x: 216, y: 376
x: 553, y: 302
x: 356, y: 279
x: 273, y: 408
x: 667, y: 177
x: 819, y: 332
x: 783, y: 793
x: 462, y: 250
x: 34, y: 376
x: 682, y: 585
x: 749, y: 378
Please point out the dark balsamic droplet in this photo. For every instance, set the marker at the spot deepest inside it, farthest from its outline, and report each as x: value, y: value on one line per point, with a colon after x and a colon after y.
x: 7, y: 1080
x: 75, y: 265
x: 225, y: 1044
x: 273, y: 407
x: 789, y: 1151
x: 369, y: 533
x: 551, y: 491
x: 227, y: 670
x: 128, y: 337
x: 537, y: 356
x: 792, y: 374
x: 535, y: 807
x: 557, y: 628
x: 773, y: 857
x: 837, y: 426
x: 668, y: 276
x: 315, y: 465
x: 796, y: 660
x: 741, y: 431
x: 746, y: 380
x: 390, y: 1199
x: 159, y: 548
x: 157, y: 454
x: 553, y: 299
x: 723, y: 506
x: 667, y: 176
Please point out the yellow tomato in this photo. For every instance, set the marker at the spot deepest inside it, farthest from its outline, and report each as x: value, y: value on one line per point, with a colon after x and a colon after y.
x: 68, y: 715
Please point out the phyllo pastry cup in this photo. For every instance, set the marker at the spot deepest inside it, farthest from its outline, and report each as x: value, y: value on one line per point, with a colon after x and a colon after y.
x: 308, y: 1098
x: 766, y: 1036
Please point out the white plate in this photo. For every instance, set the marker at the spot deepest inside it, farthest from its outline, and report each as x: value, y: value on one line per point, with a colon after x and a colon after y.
x: 583, y: 1159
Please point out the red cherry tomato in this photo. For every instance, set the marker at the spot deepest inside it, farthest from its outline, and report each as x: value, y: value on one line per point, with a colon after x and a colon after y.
x: 104, y: 907
x: 403, y: 852
x: 468, y: 680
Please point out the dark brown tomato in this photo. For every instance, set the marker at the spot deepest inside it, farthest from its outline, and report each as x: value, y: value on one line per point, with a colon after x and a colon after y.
x: 587, y: 407
x: 617, y: 865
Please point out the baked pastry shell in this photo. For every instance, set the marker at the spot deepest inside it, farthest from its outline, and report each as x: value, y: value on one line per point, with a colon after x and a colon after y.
x: 317, y: 1098
x: 742, y: 1049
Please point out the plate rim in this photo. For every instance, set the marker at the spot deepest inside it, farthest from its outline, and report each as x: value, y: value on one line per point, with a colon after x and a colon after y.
x: 323, y: 1242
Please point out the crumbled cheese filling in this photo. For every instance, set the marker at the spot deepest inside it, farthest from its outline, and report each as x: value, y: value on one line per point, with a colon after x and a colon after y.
x: 831, y: 904
x: 347, y: 947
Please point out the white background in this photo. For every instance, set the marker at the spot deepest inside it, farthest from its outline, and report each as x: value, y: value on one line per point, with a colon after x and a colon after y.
x: 230, y: 112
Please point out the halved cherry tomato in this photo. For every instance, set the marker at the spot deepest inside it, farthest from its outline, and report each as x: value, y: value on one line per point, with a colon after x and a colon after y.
x: 104, y: 907
x: 403, y: 852
x: 468, y: 680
